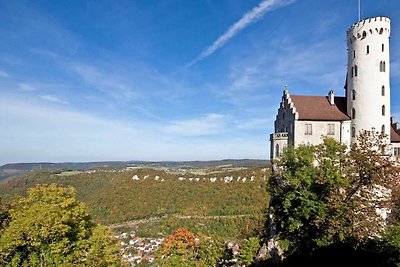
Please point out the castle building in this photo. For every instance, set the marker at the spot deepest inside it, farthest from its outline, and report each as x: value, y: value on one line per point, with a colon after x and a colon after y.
x: 304, y: 120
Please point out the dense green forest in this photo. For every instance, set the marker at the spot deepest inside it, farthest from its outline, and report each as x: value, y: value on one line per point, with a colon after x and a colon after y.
x: 113, y: 197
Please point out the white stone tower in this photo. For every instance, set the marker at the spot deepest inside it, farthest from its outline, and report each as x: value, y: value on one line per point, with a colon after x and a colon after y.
x: 368, y: 82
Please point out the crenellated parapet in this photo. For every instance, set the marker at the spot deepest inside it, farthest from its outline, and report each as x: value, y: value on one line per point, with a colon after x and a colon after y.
x: 367, y: 27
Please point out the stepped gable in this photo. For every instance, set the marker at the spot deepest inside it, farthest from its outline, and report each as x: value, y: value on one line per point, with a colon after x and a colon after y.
x: 318, y: 108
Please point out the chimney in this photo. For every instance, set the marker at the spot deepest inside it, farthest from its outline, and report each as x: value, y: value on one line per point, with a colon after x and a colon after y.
x: 331, y: 97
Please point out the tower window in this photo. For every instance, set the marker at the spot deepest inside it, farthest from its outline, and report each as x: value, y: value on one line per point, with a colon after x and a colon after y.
x: 352, y: 72
x: 354, y: 54
x: 381, y: 31
x: 383, y: 129
x: 353, y: 131
x: 283, y: 115
x: 355, y: 71
x: 367, y: 49
x: 382, y: 66
x: 364, y: 34
x: 354, y: 95
x: 308, y: 129
x: 383, y: 90
x: 277, y: 150
x: 353, y: 113
x: 383, y: 110
x: 383, y: 47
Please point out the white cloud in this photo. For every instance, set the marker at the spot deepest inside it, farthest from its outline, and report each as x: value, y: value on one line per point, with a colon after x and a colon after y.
x: 110, y: 83
x: 45, y: 133
x: 209, y: 124
x: 249, y: 18
x: 4, y: 74
x: 255, y: 123
x: 52, y: 98
x: 26, y: 87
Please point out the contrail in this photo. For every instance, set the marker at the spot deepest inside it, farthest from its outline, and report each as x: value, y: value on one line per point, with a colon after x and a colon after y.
x: 250, y: 17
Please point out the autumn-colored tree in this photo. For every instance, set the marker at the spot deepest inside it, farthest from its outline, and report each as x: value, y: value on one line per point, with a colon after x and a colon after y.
x: 183, y: 248
x: 50, y: 227
x: 323, y: 194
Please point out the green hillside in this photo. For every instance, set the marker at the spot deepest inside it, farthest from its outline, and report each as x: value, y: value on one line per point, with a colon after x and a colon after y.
x: 113, y: 197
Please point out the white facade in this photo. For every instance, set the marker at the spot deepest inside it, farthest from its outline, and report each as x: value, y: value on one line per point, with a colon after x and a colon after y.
x: 368, y: 75
x: 366, y: 105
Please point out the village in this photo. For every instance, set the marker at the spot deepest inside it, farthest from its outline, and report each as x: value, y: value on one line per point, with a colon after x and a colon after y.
x: 139, y: 250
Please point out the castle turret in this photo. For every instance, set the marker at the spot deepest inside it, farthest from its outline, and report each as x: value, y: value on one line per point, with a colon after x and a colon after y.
x: 368, y: 83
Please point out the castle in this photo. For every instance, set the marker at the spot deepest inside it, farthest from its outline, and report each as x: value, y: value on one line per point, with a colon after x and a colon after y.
x: 305, y: 119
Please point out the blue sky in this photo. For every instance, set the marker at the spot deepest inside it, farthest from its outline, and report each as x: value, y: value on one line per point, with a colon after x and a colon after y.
x: 166, y: 79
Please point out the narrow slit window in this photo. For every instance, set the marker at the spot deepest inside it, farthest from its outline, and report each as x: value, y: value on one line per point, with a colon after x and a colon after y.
x: 353, y: 113
x: 383, y: 47
x: 353, y: 132
x: 383, y: 129
x: 367, y: 49
x: 383, y: 110
x: 383, y: 90
x: 355, y: 71
x: 354, y: 95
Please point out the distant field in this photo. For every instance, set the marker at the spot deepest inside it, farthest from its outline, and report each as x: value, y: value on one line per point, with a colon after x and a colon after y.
x: 114, y: 197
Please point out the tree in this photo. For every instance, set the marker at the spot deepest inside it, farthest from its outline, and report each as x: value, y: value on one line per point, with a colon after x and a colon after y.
x: 183, y: 248
x: 323, y: 195
x: 50, y: 227
x: 248, y: 250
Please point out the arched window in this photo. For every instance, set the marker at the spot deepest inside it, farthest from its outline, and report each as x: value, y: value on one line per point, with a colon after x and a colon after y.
x: 354, y: 95
x: 383, y: 90
x: 277, y: 150
x: 364, y: 34
x: 353, y: 114
x: 353, y: 132
x: 383, y: 47
x: 383, y: 129
x: 367, y: 49
x: 383, y: 110
x: 381, y: 31
x: 382, y: 66
x: 355, y: 70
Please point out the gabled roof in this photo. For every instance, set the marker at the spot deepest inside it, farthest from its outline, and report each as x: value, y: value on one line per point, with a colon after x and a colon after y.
x: 318, y: 108
x: 394, y: 135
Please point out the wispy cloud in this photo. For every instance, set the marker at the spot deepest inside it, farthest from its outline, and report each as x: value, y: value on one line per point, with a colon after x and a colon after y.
x: 208, y: 124
x: 52, y: 98
x: 4, y: 74
x: 109, y: 83
x: 26, y: 87
x: 249, y: 18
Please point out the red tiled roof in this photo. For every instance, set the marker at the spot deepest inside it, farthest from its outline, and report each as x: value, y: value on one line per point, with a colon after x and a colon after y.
x: 394, y: 136
x: 318, y: 108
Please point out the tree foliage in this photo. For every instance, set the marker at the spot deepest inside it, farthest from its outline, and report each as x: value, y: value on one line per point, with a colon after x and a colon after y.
x: 183, y: 248
x: 50, y: 227
x: 248, y: 250
x: 323, y: 194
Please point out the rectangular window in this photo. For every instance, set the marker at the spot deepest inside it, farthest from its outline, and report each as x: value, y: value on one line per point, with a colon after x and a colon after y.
x: 308, y: 129
x: 331, y: 129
